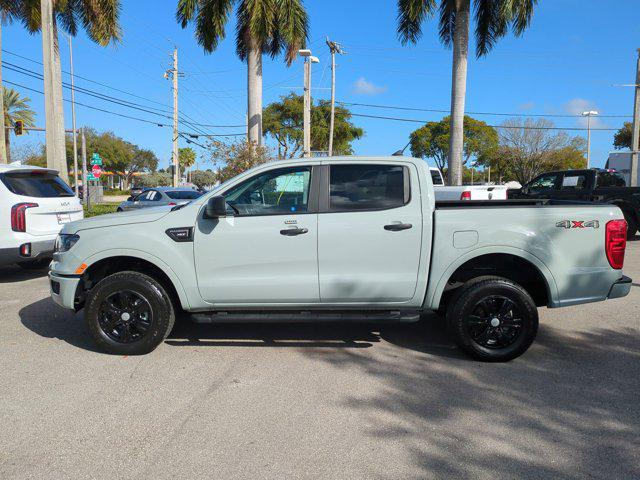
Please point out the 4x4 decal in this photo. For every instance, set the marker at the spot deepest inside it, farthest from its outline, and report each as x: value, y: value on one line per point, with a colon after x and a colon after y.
x: 578, y: 224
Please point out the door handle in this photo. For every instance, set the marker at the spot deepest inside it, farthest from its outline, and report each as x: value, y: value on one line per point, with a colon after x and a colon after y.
x: 292, y: 232
x: 396, y: 227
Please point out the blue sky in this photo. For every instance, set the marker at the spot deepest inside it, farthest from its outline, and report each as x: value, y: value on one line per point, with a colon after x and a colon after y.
x: 566, y: 62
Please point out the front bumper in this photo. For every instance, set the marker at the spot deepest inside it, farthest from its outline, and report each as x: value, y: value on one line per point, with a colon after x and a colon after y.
x: 621, y: 288
x: 63, y: 289
x: 38, y: 250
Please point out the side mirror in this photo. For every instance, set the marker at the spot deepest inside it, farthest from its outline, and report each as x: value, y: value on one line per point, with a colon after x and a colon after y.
x: 216, y: 207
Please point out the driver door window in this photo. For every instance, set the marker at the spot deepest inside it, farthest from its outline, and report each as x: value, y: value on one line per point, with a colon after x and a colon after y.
x: 276, y: 192
x: 544, y: 184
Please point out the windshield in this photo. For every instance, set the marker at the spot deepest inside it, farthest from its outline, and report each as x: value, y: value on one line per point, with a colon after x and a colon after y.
x: 183, y: 194
x: 36, y: 184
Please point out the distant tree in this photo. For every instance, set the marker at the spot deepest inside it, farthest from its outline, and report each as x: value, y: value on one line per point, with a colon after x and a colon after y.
x: 493, y: 20
x: 118, y: 155
x: 622, y: 138
x: 30, y: 154
x: 432, y: 141
x: 186, y: 157
x: 155, y: 179
x: 235, y: 158
x: 528, y: 147
x: 16, y: 108
x: 283, y: 120
x: 203, y: 178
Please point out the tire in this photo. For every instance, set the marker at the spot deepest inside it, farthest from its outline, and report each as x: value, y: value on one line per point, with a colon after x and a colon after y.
x: 40, y: 264
x: 129, y: 313
x: 119, y: 210
x: 482, y: 301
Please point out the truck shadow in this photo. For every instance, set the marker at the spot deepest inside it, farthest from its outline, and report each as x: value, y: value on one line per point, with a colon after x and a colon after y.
x: 15, y: 274
x: 48, y: 320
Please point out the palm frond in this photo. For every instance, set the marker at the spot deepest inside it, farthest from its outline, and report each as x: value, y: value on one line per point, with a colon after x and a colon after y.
x: 210, y: 18
x: 293, y: 29
x: 447, y: 22
x: 186, y: 11
x: 16, y: 108
x: 495, y: 17
x: 411, y: 14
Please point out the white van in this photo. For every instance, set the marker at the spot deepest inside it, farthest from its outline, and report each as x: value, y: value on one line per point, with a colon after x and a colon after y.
x: 34, y: 205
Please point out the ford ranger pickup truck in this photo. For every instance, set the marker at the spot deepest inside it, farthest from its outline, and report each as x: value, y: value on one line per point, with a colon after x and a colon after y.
x: 339, y: 239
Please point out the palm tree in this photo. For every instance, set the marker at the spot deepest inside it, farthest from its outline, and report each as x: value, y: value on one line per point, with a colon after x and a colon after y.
x: 15, y: 108
x: 263, y: 26
x: 7, y: 12
x: 99, y: 18
x: 493, y: 19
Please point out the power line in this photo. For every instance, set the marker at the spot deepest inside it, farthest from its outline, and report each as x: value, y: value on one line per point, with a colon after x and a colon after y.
x: 92, y: 107
x: 508, y: 127
x: 413, y: 109
x: 112, y: 99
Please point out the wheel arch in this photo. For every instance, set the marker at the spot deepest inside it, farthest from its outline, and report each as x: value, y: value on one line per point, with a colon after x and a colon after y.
x: 508, y: 262
x: 110, y: 262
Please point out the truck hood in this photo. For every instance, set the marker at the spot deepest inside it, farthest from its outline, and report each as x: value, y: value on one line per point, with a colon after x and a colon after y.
x: 120, y: 218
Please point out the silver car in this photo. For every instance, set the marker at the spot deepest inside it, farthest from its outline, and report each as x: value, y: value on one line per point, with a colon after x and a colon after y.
x: 156, y: 197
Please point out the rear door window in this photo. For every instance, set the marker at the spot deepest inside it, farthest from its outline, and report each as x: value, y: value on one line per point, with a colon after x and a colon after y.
x: 36, y: 184
x: 367, y: 187
x: 611, y: 179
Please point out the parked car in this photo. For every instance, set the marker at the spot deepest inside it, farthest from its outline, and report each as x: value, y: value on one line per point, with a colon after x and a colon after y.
x: 465, y: 192
x: 593, y: 185
x: 339, y: 239
x: 137, y: 190
x: 34, y: 205
x: 155, y: 197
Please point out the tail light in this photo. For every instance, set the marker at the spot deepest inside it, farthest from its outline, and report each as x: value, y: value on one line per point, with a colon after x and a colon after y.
x: 172, y: 204
x: 19, y: 216
x: 466, y: 195
x: 616, y: 242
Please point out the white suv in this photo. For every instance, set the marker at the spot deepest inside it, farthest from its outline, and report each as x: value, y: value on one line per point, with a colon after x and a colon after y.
x: 34, y: 205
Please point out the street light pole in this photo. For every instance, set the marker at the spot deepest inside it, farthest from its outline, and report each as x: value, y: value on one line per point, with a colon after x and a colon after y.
x: 589, y: 114
x: 308, y: 60
x: 334, y: 48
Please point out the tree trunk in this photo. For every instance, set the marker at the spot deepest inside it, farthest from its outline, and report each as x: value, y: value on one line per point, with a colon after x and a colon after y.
x: 254, y: 95
x: 4, y: 157
x: 7, y: 146
x: 56, y: 151
x: 458, y: 90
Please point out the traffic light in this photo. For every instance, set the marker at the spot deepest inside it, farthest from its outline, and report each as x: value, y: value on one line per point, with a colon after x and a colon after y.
x: 18, y: 127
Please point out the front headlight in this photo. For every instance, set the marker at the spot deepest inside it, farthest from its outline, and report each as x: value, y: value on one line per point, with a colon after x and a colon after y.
x: 64, y: 242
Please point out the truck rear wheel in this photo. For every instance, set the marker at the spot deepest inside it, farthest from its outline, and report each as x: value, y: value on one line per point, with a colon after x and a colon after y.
x: 129, y: 313
x: 493, y: 319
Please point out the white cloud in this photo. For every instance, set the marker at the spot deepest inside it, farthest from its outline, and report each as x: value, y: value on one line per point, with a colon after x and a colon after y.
x: 526, y: 106
x: 576, y: 106
x: 365, y: 87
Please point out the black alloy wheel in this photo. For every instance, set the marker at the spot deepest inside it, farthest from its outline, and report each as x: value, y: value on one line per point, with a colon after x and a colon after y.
x: 125, y: 316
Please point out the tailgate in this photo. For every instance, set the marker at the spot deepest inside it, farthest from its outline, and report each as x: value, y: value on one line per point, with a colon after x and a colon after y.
x: 51, y: 214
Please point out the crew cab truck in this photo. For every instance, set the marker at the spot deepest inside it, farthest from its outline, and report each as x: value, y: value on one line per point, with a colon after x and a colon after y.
x: 338, y: 239
x: 592, y: 185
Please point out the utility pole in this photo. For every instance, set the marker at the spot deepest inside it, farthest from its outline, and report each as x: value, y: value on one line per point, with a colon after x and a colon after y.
x: 334, y: 48
x: 54, y: 123
x: 174, y: 150
x: 73, y: 119
x: 589, y: 114
x: 3, y: 148
x: 85, y: 183
x: 308, y: 60
x: 635, y: 132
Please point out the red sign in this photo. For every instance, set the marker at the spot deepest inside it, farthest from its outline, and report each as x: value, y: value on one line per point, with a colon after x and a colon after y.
x: 96, y: 171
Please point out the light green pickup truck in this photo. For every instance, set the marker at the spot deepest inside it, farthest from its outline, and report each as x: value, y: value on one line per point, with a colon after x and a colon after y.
x: 339, y: 239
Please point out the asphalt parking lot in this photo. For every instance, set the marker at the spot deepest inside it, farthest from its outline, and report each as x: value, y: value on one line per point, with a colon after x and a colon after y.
x: 308, y: 401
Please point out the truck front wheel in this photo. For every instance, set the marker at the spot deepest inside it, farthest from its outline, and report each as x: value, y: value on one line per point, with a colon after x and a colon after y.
x: 493, y: 319
x: 129, y: 313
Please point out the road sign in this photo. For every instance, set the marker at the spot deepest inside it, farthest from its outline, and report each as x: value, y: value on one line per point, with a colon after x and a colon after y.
x: 90, y: 176
x: 95, y: 159
x: 96, y: 171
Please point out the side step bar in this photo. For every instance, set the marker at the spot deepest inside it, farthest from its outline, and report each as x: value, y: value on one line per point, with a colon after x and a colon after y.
x: 292, y: 316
